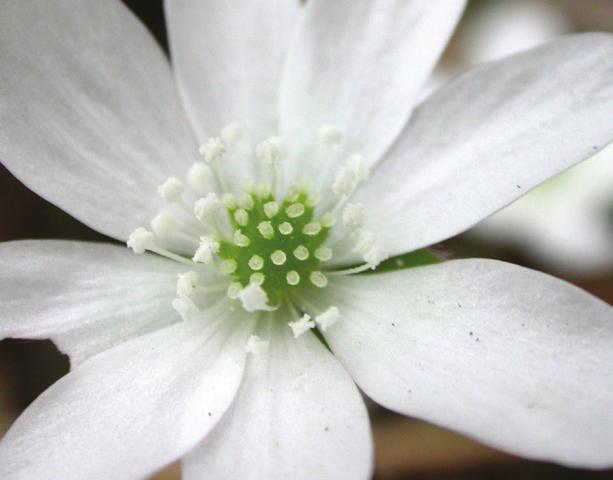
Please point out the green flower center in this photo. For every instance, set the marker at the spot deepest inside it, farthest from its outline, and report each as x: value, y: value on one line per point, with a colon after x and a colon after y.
x: 277, y: 245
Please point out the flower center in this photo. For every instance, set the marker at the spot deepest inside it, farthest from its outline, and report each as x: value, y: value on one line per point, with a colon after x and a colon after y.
x: 268, y: 243
x: 278, y: 245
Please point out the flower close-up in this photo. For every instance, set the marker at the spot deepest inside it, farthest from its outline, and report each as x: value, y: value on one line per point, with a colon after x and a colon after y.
x: 271, y: 193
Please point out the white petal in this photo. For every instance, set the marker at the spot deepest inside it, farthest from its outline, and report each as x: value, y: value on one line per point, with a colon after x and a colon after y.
x: 132, y: 409
x: 86, y: 297
x: 565, y: 222
x: 507, y: 355
x: 228, y: 57
x: 297, y: 415
x: 358, y: 65
x: 90, y: 117
x: 489, y: 137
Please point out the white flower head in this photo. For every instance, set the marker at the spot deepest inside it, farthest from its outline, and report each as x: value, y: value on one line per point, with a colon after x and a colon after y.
x: 249, y: 273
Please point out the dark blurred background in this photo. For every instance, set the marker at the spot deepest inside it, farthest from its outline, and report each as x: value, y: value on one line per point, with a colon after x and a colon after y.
x: 539, y: 231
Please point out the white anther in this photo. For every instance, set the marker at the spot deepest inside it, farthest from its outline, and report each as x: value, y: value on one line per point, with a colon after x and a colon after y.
x: 199, y: 178
x: 186, y: 283
x: 295, y: 210
x: 271, y: 151
x: 301, y: 326
x: 286, y: 228
x: 329, y: 134
x: 228, y: 266
x: 312, y: 229
x: 318, y: 279
x: 234, y: 290
x: 241, y: 240
x: 256, y: 346
x: 212, y: 150
x: 254, y: 299
x: 374, y: 256
x: 229, y: 200
x: 256, y: 262
x: 171, y: 189
x: 140, y: 240
x: 257, y: 278
x: 185, y: 307
x: 266, y: 229
x: 328, y: 318
x: 301, y: 252
x: 164, y: 225
x: 232, y: 133
x: 278, y: 257
x: 207, y: 248
x: 271, y: 209
x: 292, y: 278
x: 241, y: 216
x: 203, y: 207
x: 353, y: 215
x: 323, y: 254
x: 246, y: 201
x: 328, y: 220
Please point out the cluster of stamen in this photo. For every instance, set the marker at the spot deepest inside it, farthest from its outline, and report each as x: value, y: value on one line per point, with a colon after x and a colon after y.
x: 271, y: 245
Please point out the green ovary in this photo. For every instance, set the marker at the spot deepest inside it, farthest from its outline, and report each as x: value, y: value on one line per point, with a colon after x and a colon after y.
x: 276, y: 250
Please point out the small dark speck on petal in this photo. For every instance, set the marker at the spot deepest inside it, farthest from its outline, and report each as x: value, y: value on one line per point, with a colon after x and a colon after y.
x: 210, y: 414
x: 595, y: 147
x: 470, y: 333
x: 393, y: 324
x: 326, y: 429
x: 518, y: 186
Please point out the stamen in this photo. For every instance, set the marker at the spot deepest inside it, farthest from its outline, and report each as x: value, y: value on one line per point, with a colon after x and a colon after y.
x: 205, y: 206
x: 212, y: 150
x: 254, y: 298
x: 328, y: 318
x: 278, y: 257
x: 256, y: 346
x: 232, y: 133
x: 329, y: 134
x: 208, y: 246
x: 292, y: 277
x: 302, y: 325
x: 301, y: 253
x: 199, y: 178
x: 140, y: 240
x: 171, y: 189
x: 353, y: 215
x: 318, y: 279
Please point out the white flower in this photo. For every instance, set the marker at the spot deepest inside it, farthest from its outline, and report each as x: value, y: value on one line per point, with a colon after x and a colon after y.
x: 91, y: 121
